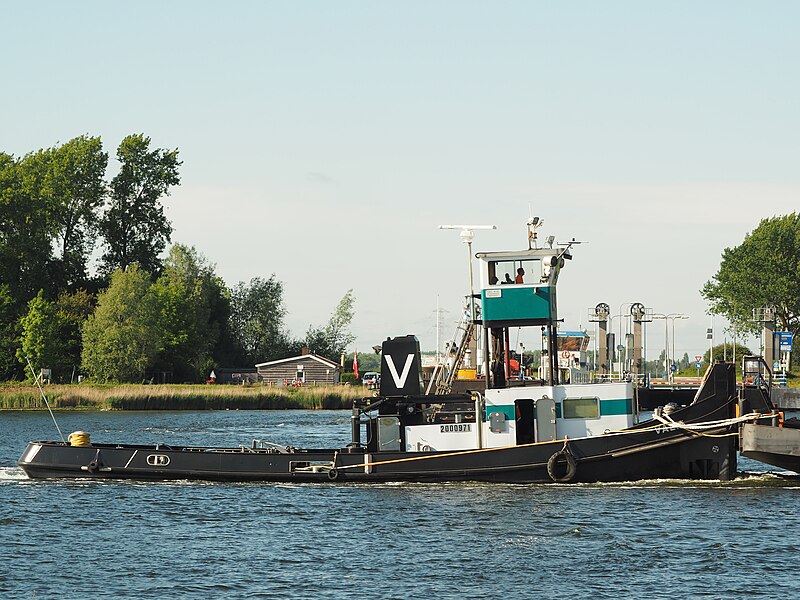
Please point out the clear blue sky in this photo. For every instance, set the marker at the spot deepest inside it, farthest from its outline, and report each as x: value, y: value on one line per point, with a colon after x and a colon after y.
x: 326, y: 141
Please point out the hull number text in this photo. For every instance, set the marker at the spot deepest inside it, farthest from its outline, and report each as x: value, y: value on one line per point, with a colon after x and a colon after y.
x: 455, y: 428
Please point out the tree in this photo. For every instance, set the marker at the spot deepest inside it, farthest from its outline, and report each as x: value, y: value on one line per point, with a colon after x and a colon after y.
x: 41, y: 337
x: 368, y: 361
x: 257, y: 320
x: 134, y: 227
x: 193, y: 305
x: 75, y: 188
x: 9, y: 336
x: 74, y: 310
x: 26, y: 231
x: 49, y: 199
x: 332, y: 340
x: 726, y: 352
x: 763, y: 271
x: 122, y: 337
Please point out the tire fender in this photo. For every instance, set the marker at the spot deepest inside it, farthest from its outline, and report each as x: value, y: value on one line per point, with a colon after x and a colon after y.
x: 553, y: 467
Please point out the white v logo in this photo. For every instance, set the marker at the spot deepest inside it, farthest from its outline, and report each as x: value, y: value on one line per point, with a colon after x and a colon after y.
x: 399, y: 380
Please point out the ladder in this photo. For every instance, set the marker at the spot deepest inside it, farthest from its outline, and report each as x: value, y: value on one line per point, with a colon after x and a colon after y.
x: 447, y: 368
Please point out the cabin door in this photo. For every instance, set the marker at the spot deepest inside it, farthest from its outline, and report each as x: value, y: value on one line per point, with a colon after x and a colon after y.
x: 545, y: 419
x: 525, y: 420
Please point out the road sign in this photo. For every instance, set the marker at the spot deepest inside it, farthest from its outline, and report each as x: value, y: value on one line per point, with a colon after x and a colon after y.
x: 698, y: 358
x: 784, y: 340
x: 697, y: 364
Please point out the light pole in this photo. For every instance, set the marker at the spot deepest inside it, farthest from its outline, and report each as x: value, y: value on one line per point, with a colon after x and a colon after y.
x: 666, y: 343
x: 622, y: 341
x: 675, y: 316
x: 668, y: 362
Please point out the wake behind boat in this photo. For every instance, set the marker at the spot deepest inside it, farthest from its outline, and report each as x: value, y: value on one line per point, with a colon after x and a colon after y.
x: 504, y: 428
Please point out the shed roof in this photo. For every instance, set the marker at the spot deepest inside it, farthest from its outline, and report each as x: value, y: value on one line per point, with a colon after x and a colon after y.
x: 324, y: 361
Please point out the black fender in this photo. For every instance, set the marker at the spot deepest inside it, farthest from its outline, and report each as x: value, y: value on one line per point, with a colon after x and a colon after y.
x: 553, y: 466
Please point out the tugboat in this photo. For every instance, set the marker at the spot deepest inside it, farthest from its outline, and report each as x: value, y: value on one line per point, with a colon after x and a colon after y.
x: 557, y: 428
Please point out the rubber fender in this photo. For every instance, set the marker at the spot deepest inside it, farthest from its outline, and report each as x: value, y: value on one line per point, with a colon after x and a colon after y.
x: 333, y: 474
x: 553, y: 468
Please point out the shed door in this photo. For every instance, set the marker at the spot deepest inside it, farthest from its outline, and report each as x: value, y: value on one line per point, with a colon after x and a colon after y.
x: 545, y: 419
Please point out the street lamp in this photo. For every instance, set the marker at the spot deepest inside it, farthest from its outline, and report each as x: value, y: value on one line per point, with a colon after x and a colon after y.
x: 667, y: 361
x: 621, y: 340
x: 674, y: 317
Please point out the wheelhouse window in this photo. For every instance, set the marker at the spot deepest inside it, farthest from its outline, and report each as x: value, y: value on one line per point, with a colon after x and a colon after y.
x: 509, y: 272
x: 581, y: 408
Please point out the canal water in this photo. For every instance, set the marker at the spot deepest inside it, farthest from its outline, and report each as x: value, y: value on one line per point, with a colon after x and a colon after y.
x: 656, y: 539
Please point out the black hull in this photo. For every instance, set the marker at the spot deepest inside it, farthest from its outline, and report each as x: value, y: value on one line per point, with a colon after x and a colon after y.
x: 648, y: 451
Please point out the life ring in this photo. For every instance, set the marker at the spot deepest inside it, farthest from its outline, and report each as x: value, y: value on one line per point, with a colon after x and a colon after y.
x: 333, y: 474
x: 553, y: 468
x: 565, y: 354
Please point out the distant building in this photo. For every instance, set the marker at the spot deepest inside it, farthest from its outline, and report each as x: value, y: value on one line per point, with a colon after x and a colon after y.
x: 236, y: 375
x: 306, y: 369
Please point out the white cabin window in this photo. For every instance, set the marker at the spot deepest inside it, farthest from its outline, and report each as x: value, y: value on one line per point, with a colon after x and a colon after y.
x: 581, y: 408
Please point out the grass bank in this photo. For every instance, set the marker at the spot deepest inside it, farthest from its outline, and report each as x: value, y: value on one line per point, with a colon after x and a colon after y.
x: 177, y: 397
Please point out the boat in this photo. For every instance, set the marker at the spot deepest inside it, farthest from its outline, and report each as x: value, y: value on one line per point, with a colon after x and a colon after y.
x: 504, y: 426
x: 773, y: 439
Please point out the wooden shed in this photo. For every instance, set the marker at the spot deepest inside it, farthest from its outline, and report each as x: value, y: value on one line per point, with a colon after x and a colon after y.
x: 307, y: 369
x: 236, y: 375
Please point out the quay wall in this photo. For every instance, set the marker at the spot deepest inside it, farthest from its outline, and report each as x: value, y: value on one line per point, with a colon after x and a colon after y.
x: 786, y: 398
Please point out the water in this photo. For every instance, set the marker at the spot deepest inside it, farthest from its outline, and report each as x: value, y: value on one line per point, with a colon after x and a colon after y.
x: 658, y: 539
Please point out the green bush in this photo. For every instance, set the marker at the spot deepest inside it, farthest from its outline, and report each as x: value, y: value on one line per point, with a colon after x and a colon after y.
x: 348, y: 378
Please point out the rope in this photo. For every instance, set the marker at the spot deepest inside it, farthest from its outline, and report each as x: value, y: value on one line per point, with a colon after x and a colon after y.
x: 46, y: 403
x: 692, y: 428
x: 698, y: 427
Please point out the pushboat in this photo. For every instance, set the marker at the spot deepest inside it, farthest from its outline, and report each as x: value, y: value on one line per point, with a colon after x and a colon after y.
x: 560, y: 427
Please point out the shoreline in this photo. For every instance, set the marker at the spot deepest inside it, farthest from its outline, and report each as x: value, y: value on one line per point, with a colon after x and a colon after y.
x: 178, y: 397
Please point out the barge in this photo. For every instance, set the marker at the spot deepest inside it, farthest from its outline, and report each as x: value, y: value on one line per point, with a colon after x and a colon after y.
x: 559, y: 428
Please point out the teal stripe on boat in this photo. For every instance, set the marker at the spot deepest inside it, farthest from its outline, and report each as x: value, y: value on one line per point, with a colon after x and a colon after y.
x: 621, y: 406
x: 508, y: 411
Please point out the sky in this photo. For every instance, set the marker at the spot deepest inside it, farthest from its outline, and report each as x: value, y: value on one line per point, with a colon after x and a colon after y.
x: 325, y: 142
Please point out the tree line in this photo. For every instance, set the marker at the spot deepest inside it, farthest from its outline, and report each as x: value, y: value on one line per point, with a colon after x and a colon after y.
x: 763, y: 272
x: 137, y: 316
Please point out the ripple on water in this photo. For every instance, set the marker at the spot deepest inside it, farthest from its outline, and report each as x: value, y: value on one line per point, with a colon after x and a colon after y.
x: 189, y: 539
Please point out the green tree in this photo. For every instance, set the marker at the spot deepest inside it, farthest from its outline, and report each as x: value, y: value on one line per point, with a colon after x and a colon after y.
x: 726, y: 352
x: 41, y: 338
x: 74, y: 309
x: 763, y: 271
x: 122, y: 337
x: 257, y: 320
x: 26, y: 232
x: 192, y: 301
x: 9, y: 334
x: 368, y: 361
x: 134, y: 227
x: 332, y: 340
x: 75, y: 187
